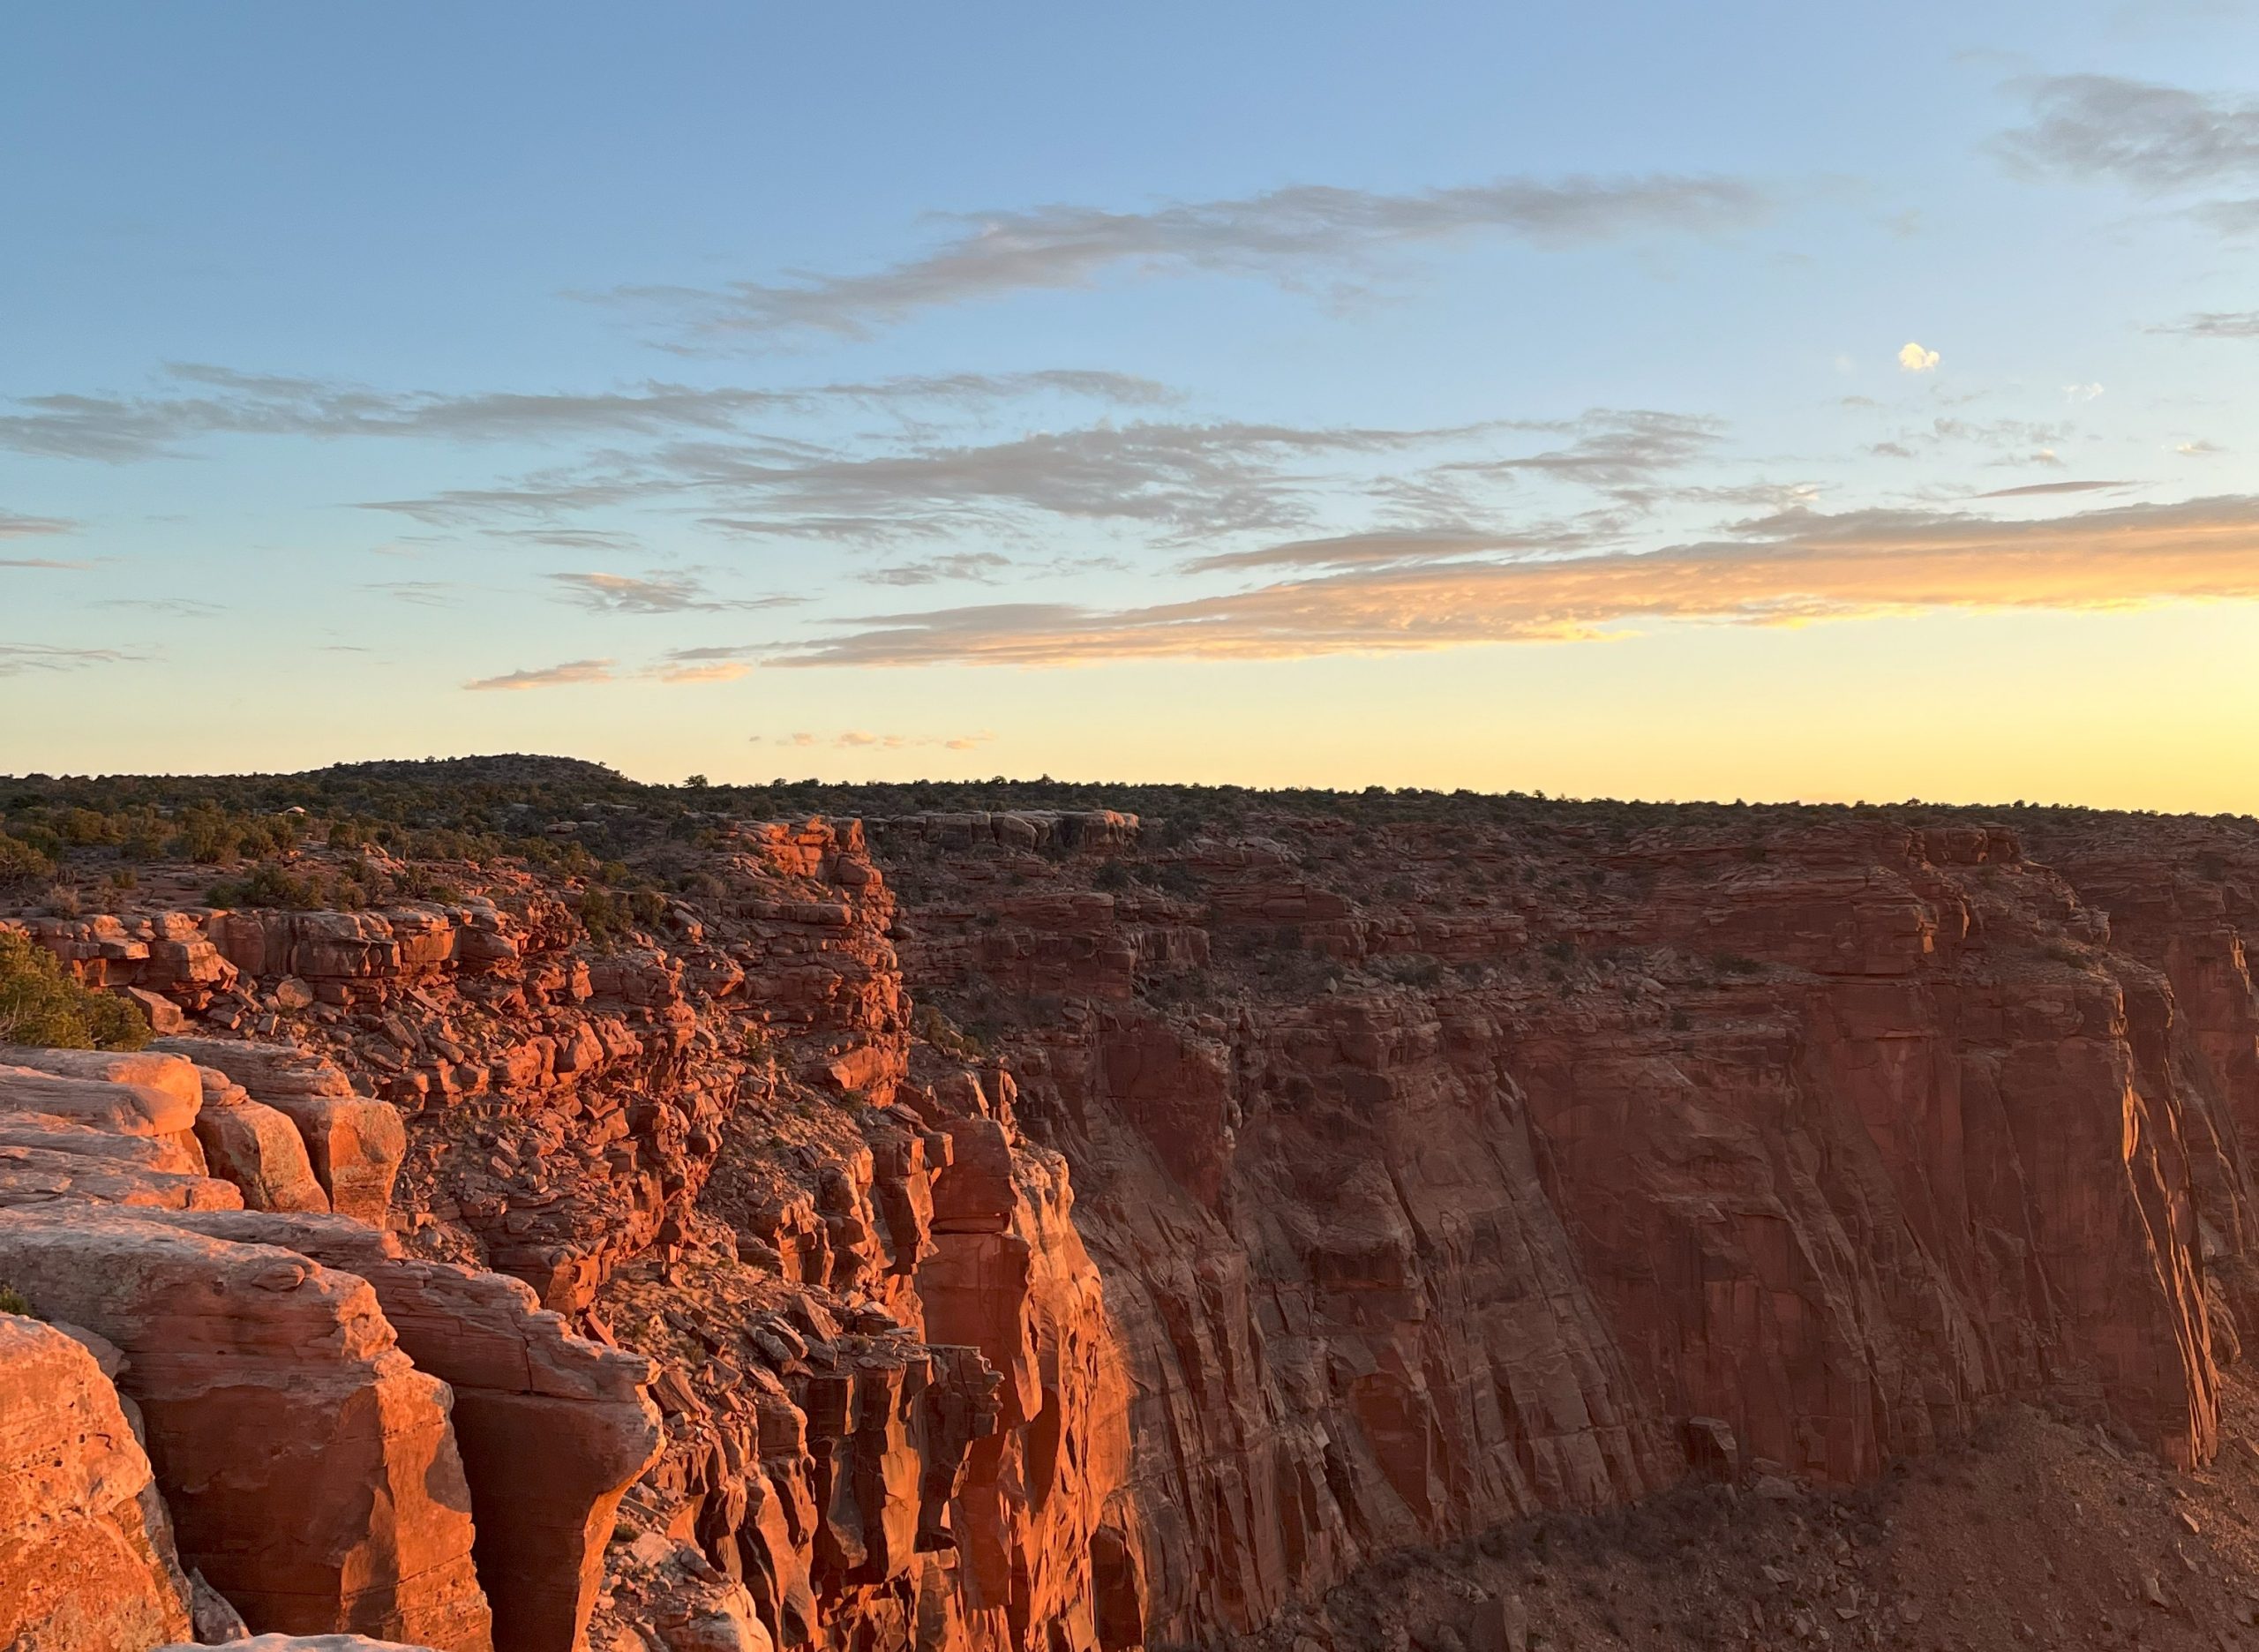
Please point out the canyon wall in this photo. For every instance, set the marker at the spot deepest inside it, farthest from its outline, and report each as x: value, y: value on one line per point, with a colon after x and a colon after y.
x: 1059, y: 1230
x: 1441, y: 1175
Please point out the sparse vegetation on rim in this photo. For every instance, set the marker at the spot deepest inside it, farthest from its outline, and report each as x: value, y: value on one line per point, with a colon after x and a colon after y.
x: 40, y: 1005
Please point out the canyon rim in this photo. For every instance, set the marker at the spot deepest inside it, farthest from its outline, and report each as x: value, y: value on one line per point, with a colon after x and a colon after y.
x: 541, y: 1211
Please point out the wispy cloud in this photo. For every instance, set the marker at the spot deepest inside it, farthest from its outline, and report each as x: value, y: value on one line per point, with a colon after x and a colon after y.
x: 1287, y: 235
x: 202, y: 401
x: 711, y: 672
x: 1383, y: 547
x: 2223, y: 324
x: 2008, y: 440
x: 1793, y: 567
x: 178, y: 607
x: 653, y: 594
x: 13, y: 526
x: 584, y: 671
x: 1174, y: 480
x: 984, y: 568
x: 2155, y: 139
x: 711, y: 665
x: 2032, y: 489
x: 1614, y: 447
x: 860, y: 740
x: 19, y: 657
x: 423, y: 593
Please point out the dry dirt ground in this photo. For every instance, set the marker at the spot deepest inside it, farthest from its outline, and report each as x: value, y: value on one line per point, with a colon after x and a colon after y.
x: 2036, y: 1533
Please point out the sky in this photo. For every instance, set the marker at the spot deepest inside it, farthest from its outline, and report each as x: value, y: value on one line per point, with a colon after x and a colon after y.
x: 1646, y: 401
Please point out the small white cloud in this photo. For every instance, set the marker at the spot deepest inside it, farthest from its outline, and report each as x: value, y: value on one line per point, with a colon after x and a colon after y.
x: 2080, y: 392
x: 1845, y: 364
x: 1913, y: 358
x: 2198, y: 449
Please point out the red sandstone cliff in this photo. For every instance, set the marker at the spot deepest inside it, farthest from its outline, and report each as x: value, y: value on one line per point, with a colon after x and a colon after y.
x: 1438, y: 1175
x: 1054, y: 1232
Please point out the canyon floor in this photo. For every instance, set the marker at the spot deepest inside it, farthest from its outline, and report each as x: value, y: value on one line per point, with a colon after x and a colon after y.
x: 547, y: 1211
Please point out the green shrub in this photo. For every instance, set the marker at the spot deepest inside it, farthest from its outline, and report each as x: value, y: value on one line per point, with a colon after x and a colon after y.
x: 41, y: 1005
x: 19, y: 861
x: 270, y: 886
x: 13, y: 1301
x: 603, y: 913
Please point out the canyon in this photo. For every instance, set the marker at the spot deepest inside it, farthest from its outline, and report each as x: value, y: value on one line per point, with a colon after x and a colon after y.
x: 550, y: 1212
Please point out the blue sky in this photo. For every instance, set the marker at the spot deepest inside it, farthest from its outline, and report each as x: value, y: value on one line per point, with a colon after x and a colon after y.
x: 1641, y: 400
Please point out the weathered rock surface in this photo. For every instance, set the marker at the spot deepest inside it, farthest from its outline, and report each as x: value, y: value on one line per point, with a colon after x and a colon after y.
x: 354, y: 1143
x: 160, y: 1112
x: 551, y: 1429
x: 1440, y: 1176
x: 86, y: 1561
x: 309, y: 1467
x: 1428, y: 1175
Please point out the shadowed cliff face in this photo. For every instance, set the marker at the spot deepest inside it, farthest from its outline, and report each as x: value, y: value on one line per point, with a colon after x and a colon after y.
x: 1439, y: 1175
x: 1062, y: 1231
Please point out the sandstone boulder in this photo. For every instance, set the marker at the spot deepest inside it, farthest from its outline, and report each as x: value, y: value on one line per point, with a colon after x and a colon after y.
x: 354, y: 1143
x: 121, y: 1106
x: 257, y: 1147
x: 552, y: 1428
x: 34, y: 1176
x: 310, y: 1469
x: 86, y: 1560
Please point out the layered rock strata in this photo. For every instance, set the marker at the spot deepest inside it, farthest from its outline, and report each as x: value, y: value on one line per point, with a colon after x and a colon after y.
x: 1440, y: 1176
x: 1056, y: 1230
x: 311, y: 1460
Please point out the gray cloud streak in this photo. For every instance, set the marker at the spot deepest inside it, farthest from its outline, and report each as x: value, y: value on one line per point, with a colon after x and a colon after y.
x: 653, y: 594
x: 2157, y: 139
x: 2033, y: 489
x: 16, y: 658
x: 224, y: 402
x: 984, y: 567
x: 1177, y: 479
x: 2215, y: 324
x: 13, y: 526
x: 1284, y: 235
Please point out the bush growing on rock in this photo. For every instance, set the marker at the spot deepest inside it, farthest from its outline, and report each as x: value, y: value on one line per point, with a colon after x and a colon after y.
x: 20, y: 860
x: 41, y: 1005
x: 271, y: 886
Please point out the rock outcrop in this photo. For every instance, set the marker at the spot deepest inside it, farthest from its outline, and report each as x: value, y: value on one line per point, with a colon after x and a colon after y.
x: 312, y: 1472
x: 310, y: 1469
x: 86, y: 1561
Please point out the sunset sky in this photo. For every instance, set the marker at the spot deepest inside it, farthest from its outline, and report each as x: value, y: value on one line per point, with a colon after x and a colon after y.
x: 1655, y: 401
